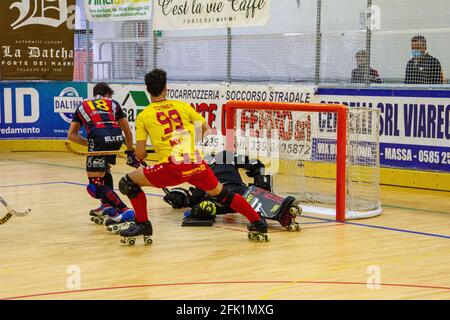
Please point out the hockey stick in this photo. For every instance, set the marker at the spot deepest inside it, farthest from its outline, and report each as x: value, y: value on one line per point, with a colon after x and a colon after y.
x: 5, y: 218
x: 98, y: 153
x: 105, y: 153
x: 11, y: 212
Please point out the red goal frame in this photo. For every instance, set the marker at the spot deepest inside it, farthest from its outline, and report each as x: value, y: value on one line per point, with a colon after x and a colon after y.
x: 341, y: 148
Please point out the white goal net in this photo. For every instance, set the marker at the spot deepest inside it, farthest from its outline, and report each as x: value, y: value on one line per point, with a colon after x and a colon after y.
x: 300, y: 149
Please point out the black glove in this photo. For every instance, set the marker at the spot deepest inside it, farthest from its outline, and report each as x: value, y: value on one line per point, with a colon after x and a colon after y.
x: 256, y: 169
x: 132, y: 161
x: 178, y: 198
x: 264, y: 182
x: 197, y: 195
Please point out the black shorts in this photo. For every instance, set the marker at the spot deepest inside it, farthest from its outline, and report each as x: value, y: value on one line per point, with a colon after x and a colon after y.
x: 103, y: 140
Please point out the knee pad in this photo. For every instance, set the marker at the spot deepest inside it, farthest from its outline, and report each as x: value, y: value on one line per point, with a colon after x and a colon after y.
x: 108, y: 178
x: 225, y: 197
x: 94, y: 187
x: 129, y: 188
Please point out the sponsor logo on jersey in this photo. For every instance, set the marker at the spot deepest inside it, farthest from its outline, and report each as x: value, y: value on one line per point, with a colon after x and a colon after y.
x: 96, y: 163
x: 109, y: 139
x: 196, y: 170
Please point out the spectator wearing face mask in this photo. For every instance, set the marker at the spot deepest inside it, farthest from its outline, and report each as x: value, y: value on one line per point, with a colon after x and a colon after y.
x: 363, y: 73
x: 422, y: 68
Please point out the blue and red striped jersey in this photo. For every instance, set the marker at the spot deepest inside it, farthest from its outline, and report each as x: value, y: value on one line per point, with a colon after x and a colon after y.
x: 99, y: 113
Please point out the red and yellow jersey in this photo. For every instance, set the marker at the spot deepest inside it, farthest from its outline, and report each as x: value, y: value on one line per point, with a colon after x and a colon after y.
x: 171, y: 126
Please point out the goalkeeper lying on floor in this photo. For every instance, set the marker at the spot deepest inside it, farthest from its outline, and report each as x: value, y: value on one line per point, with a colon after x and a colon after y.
x: 268, y: 205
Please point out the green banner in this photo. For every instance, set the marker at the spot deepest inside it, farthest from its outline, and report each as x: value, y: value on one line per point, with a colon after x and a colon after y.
x: 118, y: 10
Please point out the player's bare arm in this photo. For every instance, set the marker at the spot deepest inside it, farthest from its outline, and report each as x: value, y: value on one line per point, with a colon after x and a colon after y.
x: 74, y: 135
x: 125, y: 126
x: 141, y: 151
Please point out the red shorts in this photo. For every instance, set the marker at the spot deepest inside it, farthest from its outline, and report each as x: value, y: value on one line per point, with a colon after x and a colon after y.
x: 164, y: 175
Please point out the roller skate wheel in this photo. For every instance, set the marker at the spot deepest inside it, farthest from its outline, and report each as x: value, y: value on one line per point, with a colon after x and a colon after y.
x: 297, y: 227
x: 131, y: 241
x: 148, y: 241
x: 250, y: 236
x: 97, y: 220
x: 294, y: 211
x: 261, y: 238
x: 292, y: 227
x: 115, y: 228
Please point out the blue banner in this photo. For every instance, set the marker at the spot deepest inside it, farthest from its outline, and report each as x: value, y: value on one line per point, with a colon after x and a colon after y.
x: 421, y: 157
x: 414, y: 124
x: 38, y: 110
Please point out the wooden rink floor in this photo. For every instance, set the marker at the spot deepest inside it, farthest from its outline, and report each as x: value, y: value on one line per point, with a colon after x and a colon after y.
x: 406, y: 249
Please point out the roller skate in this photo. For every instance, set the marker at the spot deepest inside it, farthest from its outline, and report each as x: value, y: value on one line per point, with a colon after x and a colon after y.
x: 289, y: 213
x: 120, y: 222
x: 257, y: 231
x: 100, y: 214
x: 129, y: 235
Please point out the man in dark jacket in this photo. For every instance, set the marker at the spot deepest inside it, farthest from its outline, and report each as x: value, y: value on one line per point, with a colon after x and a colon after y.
x: 422, y: 68
x: 363, y: 73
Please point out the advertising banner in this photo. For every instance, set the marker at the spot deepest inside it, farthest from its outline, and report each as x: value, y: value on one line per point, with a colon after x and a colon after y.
x: 284, y: 134
x: 207, y: 99
x: 196, y: 14
x: 37, y: 39
x: 118, y: 10
x: 414, y: 124
x: 38, y: 110
x: 414, y: 129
